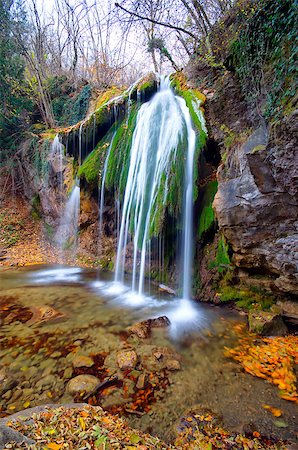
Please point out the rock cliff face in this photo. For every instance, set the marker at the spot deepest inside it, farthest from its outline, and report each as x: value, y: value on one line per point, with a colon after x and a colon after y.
x: 257, y: 204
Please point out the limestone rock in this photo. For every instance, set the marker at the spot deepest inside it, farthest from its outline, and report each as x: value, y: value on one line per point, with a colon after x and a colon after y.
x: 256, y: 203
x: 82, y: 384
x: 82, y: 361
x: 266, y: 323
x: 127, y: 359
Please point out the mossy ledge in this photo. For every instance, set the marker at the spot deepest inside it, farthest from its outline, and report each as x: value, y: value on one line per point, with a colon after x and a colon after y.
x: 97, y: 124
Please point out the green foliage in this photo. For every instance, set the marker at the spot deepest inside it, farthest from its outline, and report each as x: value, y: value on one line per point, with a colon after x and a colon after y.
x: 159, y: 44
x: 16, y: 104
x: 264, y: 56
x: 207, y: 214
x: 68, y: 110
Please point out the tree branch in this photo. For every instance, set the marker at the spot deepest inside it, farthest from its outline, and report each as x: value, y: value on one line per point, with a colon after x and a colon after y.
x: 157, y: 22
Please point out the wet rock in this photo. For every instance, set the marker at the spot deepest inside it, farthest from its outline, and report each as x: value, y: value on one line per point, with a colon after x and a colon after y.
x: 49, y: 380
x: 67, y: 373
x: 266, y: 323
x: 44, y: 314
x: 127, y: 359
x: 82, y: 361
x: 143, y: 329
x: 82, y: 384
x: 141, y: 381
x: 167, y: 289
x: 2, y: 375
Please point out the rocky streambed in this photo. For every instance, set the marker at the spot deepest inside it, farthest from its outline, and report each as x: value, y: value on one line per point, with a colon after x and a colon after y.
x: 67, y: 335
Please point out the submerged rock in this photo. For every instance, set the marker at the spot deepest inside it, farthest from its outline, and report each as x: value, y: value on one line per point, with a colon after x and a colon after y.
x: 82, y: 361
x: 266, y: 323
x: 164, y: 288
x: 82, y: 384
x: 44, y: 314
x: 143, y: 329
x: 127, y: 359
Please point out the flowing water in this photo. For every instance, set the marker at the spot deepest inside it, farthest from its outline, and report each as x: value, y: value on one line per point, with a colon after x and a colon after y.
x: 50, y: 315
x: 67, y: 232
x: 161, y: 125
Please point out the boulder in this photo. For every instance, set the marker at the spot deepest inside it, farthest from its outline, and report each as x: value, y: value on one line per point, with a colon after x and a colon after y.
x: 266, y: 323
x: 82, y: 384
x: 289, y: 310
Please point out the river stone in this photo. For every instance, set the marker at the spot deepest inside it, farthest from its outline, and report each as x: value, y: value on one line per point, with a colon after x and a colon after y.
x: 266, y: 323
x: 127, y: 359
x: 82, y: 361
x: 82, y: 384
x: 143, y: 329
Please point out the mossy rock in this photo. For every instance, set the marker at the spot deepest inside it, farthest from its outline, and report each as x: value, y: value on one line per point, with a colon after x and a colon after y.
x: 266, y: 323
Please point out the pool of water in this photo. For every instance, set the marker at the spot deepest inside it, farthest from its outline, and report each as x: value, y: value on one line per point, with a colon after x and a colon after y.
x: 51, y: 315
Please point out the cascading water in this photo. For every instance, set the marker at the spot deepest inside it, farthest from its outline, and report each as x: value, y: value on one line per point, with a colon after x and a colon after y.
x: 67, y: 233
x: 56, y: 159
x: 162, y: 124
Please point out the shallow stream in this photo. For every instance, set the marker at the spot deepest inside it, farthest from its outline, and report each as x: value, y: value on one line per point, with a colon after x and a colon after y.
x: 51, y: 315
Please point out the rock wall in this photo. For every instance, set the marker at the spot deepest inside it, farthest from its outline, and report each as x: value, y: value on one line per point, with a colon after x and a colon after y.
x: 256, y: 205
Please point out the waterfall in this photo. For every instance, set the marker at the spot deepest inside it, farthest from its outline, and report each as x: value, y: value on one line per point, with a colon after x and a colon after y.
x: 102, y: 193
x: 162, y: 124
x: 67, y: 233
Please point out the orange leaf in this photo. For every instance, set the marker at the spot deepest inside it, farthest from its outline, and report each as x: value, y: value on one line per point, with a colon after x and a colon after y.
x: 54, y: 446
x: 276, y: 412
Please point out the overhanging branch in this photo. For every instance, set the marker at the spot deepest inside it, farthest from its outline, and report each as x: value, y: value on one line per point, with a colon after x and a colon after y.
x: 157, y: 22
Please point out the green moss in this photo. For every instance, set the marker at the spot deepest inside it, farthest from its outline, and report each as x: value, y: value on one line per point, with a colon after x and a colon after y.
x: 91, y: 169
x: 246, y: 298
x: 207, y: 214
x: 222, y: 260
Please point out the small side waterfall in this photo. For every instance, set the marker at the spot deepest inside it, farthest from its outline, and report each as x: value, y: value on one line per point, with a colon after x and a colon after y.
x: 67, y: 233
x: 163, y: 124
x: 56, y: 158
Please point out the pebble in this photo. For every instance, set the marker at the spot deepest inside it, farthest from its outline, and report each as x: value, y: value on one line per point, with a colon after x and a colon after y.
x: 56, y: 354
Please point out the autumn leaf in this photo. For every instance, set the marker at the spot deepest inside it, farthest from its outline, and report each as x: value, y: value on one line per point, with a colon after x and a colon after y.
x: 54, y: 446
x: 276, y: 412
